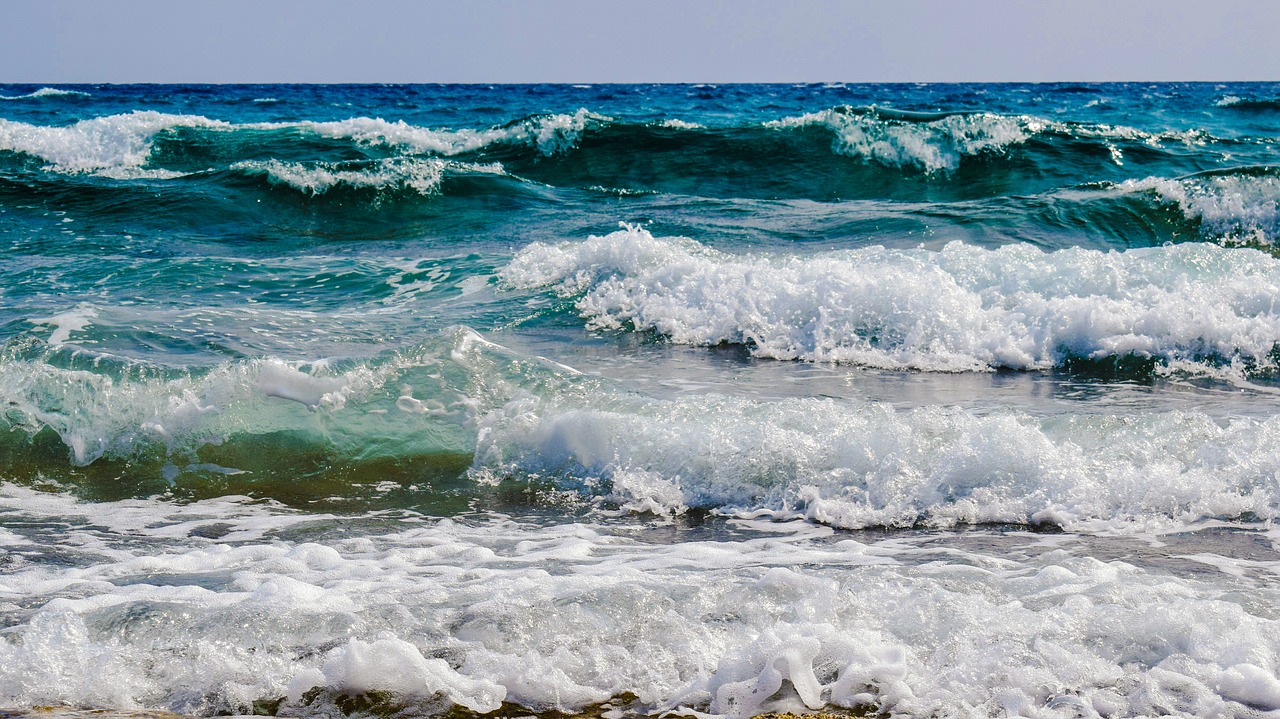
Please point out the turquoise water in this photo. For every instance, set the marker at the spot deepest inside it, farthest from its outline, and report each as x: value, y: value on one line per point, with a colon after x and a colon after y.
x: 296, y: 379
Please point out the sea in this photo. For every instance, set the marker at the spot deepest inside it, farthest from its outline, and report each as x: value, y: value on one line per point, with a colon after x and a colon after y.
x: 911, y: 400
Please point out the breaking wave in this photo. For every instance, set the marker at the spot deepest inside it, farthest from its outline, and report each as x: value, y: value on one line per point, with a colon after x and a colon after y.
x: 961, y: 309
x: 1240, y: 206
x: 937, y: 142
x: 461, y: 415
x: 46, y: 92
x: 421, y: 175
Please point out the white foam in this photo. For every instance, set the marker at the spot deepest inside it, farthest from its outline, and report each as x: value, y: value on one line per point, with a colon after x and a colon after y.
x: 435, y: 613
x: 46, y: 92
x: 420, y: 175
x: 931, y: 146
x: 99, y: 414
x: 112, y: 146
x: 678, y: 124
x: 64, y: 323
x: 1232, y: 209
x: 939, y: 145
x: 119, y: 146
x: 961, y: 308
x: 844, y: 463
x: 857, y: 465
x: 551, y: 134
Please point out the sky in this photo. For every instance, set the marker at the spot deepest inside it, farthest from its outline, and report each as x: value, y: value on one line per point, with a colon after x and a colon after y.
x: 491, y: 41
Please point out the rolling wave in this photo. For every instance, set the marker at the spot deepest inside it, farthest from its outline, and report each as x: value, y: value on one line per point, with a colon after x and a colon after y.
x: 117, y: 146
x: 961, y: 309
x: 1237, y: 207
x: 1249, y: 104
x: 421, y: 175
x: 460, y: 416
x: 46, y: 92
x: 898, y: 152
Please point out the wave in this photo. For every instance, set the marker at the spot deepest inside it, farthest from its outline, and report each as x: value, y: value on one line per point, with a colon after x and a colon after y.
x: 549, y: 134
x: 961, y: 309
x: 1235, y: 102
x: 46, y: 92
x: 421, y: 175
x: 410, y: 618
x: 120, y: 146
x: 937, y: 142
x: 934, y: 142
x: 1237, y: 207
x: 779, y: 158
x: 116, y: 146
x: 460, y: 416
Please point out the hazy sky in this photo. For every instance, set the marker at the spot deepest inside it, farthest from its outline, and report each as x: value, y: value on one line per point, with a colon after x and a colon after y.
x: 637, y: 40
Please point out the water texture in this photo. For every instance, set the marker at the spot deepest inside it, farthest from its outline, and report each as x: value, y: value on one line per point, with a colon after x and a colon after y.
x: 913, y: 400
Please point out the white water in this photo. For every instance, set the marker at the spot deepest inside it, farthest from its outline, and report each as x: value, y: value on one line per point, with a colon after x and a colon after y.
x: 845, y: 463
x: 422, y: 176
x: 1233, y: 209
x: 964, y: 308
x: 136, y: 604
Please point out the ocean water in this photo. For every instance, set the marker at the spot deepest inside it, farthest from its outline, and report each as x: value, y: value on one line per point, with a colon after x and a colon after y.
x: 904, y: 400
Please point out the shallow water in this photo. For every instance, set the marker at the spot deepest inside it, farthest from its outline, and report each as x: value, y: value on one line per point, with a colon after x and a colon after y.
x: 941, y: 400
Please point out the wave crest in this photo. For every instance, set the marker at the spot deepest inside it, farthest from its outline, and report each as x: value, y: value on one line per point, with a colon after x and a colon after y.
x: 933, y: 146
x: 113, y: 146
x: 937, y: 141
x: 961, y: 309
x: 529, y: 421
x: 1240, y: 207
x: 46, y: 92
x: 550, y: 134
x: 421, y: 175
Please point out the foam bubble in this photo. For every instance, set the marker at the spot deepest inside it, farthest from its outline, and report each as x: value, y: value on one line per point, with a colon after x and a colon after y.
x: 64, y: 323
x: 962, y: 308
x: 678, y: 124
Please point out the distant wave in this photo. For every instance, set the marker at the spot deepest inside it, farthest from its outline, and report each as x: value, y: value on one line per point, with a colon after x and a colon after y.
x: 961, y: 309
x: 550, y: 134
x: 120, y: 145
x: 1234, y: 102
x: 46, y: 92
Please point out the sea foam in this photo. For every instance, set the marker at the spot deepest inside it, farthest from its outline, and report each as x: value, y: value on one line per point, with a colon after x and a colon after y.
x: 1240, y: 208
x: 425, y: 614
x: 113, y: 146
x: 46, y: 92
x: 961, y: 308
x: 522, y: 420
x: 937, y: 142
x: 421, y: 175
x: 550, y: 134
x: 931, y: 146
